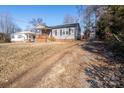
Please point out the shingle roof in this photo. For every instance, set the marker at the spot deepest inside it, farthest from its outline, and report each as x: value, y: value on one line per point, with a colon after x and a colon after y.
x: 42, y: 27
x: 65, y: 25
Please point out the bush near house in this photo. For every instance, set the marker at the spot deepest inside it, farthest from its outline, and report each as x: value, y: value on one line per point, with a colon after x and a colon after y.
x: 4, y: 38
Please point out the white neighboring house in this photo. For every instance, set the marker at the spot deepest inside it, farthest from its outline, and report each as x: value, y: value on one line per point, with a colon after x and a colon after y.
x: 23, y: 36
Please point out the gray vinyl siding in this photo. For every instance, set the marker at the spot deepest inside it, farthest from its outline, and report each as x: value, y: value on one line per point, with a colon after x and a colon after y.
x: 77, y: 33
x: 63, y: 33
x: 66, y: 31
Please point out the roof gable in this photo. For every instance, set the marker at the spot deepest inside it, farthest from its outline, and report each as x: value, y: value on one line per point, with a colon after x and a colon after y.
x: 39, y: 26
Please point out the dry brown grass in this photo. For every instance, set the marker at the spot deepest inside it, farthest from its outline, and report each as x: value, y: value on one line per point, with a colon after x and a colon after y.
x: 19, y: 57
x: 67, y: 72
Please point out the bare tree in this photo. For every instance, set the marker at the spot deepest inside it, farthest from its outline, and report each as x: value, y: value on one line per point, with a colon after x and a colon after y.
x: 7, y: 26
x: 36, y: 21
x: 89, y: 15
x: 68, y: 19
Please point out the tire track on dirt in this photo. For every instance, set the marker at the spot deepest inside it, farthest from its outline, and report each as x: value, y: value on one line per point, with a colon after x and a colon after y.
x: 31, y: 76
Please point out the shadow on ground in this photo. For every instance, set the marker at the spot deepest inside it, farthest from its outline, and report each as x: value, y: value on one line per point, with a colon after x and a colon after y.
x: 106, y: 76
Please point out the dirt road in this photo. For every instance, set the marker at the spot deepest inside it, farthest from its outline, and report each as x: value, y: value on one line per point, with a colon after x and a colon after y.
x: 65, y: 68
x: 56, y: 70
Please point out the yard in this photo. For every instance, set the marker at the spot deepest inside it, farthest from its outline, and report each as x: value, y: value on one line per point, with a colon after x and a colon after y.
x: 75, y: 64
x: 17, y: 58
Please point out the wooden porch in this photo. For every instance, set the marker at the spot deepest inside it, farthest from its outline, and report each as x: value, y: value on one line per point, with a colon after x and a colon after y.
x: 44, y: 34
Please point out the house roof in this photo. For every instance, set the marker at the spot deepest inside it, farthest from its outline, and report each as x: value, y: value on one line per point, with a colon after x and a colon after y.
x: 41, y: 27
x: 25, y: 32
x: 65, y: 25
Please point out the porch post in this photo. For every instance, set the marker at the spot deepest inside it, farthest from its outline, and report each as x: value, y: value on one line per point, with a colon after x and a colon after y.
x: 41, y: 31
x: 28, y: 37
x: 46, y: 34
x: 51, y: 33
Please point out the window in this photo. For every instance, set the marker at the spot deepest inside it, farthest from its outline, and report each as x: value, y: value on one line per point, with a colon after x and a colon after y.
x: 20, y: 36
x: 56, y: 32
x: 69, y: 31
x: 72, y: 30
x: 63, y: 32
x: 60, y: 32
x: 66, y: 32
x: 29, y: 36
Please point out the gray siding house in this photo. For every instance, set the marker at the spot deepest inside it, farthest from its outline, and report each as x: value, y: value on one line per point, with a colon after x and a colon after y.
x: 67, y: 31
x: 59, y: 32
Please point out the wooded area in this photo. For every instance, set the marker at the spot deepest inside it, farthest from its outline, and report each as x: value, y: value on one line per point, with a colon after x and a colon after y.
x: 7, y: 26
x: 108, y: 22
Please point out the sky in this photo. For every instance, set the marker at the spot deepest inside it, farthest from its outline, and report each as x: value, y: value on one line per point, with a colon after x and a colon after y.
x: 51, y: 14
